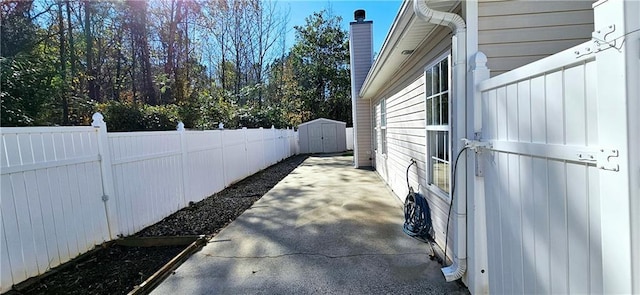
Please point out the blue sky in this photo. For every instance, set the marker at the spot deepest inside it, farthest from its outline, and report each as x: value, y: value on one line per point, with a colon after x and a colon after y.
x: 381, y: 12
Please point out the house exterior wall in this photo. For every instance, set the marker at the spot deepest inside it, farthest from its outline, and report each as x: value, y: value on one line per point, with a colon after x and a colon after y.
x: 406, y: 135
x: 515, y: 33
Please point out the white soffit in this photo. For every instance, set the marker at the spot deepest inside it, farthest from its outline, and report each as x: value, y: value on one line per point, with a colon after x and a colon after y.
x: 407, y: 33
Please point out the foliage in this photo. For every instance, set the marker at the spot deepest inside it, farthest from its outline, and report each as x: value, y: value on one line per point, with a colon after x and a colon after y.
x: 148, y: 64
x: 320, y: 61
x: 26, y: 85
x: 122, y: 116
x: 133, y: 116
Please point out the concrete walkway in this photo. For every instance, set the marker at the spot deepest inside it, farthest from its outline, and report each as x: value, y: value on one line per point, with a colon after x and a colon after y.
x: 327, y: 228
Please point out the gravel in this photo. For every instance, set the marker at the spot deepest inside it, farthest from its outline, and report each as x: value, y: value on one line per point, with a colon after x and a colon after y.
x: 115, y: 269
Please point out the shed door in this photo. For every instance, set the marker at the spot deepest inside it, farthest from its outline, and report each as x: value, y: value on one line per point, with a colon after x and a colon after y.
x: 315, y: 138
x: 329, y: 142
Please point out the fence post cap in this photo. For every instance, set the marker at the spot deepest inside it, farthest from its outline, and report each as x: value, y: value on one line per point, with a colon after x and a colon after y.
x: 220, y: 125
x: 180, y: 126
x: 478, y: 61
x: 273, y: 127
x: 97, y: 120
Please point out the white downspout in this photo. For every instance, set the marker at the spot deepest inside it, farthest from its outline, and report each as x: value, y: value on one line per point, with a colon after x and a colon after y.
x: 458, y: 54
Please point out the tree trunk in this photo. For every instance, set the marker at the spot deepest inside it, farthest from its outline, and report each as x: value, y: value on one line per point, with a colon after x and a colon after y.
x: 72, y: 49
x: 63, y: 67
x: 91, y: 73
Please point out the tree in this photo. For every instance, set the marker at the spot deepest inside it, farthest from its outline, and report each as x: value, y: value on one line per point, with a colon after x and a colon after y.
x: 320, y: 60
x: 140, y: 50
x: 206, y: 61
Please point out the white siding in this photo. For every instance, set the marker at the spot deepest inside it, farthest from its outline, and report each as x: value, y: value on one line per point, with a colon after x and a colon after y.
x: 515, y: 33
x: 406, y: 134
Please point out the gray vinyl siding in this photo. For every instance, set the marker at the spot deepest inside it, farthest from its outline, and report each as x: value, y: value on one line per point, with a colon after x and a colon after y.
x: 361, y: 51
x: 514, y: 33
x: 406, y: 134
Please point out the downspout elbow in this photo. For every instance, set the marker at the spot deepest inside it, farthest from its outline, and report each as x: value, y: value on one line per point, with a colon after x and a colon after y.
x: 441, y: 18
x: 455, y: 271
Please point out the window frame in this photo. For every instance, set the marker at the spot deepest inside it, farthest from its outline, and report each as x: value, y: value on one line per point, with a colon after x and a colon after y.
x: 432, y: 130
x: 374, y: 117
x: 383, y: 126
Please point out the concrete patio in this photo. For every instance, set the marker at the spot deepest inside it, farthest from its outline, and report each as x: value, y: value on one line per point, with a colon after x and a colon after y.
x: 327, y: 228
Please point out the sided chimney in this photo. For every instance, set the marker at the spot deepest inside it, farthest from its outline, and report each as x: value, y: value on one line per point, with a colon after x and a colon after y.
x: 361, y: 59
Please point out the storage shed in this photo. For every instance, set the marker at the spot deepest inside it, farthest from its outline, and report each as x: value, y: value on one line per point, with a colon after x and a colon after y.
x: 322, y: 136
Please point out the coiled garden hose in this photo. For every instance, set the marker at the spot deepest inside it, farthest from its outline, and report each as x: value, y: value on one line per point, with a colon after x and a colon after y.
x: 417, y: 216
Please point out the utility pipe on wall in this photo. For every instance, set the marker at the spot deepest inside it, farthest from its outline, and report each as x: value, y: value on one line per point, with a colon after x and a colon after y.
x: 458, y: 54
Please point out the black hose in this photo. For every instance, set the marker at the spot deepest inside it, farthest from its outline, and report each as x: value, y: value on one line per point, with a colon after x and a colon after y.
x: 453, y: 189
x: 417, y: 215
x: 413, y: 162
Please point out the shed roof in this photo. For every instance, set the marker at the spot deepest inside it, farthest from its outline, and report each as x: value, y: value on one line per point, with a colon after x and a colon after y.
x: 407, y: 32
x: 322, y: 120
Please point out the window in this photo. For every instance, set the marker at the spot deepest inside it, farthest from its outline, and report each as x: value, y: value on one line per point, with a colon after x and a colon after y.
x: 380, y: 127
x: 383, y: 126
x: 375, y: 128
x: 437, y: 125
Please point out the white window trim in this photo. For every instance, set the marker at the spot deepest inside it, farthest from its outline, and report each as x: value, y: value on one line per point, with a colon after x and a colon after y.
x: 432, y: 188
x: 384, y: 147
x: 375, y: 128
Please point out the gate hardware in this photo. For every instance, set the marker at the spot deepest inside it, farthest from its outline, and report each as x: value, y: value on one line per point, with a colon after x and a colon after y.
x: 601, y: 41
x: 604, y: 160
x: 476, y: 145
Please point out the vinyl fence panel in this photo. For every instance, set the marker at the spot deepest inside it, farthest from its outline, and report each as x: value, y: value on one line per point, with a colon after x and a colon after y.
x: 147, y: 171
x: 235, y: 160
x: 205, y: 164
x: 67, y: 189
x: 542, y: 186
x: 52, y: 208
x: 255, y: 149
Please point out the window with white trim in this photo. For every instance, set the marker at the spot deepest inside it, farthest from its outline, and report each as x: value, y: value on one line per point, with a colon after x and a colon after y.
x: 438, y: 125
x: 383, y: 126
x: 375, y: 127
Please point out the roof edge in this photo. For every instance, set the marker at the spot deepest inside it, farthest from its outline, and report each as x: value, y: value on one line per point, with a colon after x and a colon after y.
x: 322, y: 119
x: 395, y: 32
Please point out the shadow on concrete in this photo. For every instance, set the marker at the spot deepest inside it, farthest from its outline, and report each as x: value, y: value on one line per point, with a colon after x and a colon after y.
x: 327, y: 229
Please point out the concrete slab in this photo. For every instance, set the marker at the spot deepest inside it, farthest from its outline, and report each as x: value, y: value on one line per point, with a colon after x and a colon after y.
x: 327, y: 228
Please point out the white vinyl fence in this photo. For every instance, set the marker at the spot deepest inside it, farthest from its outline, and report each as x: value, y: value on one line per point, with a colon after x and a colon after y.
x: 67, y: 189
x: 556, y: 174
x: 543, y: 198
x: 349, y: 137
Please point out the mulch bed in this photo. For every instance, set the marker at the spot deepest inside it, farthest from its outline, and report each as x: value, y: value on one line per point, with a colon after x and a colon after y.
x: 115, y: 269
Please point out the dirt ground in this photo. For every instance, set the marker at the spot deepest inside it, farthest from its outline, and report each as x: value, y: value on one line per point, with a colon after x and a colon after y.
x: 116, y: 269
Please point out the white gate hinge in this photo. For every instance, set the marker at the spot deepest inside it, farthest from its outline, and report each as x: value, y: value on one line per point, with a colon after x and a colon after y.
x: 601, y: 41
x: 105, y: 198
x: 476, y: 145
x: 607, y: 159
